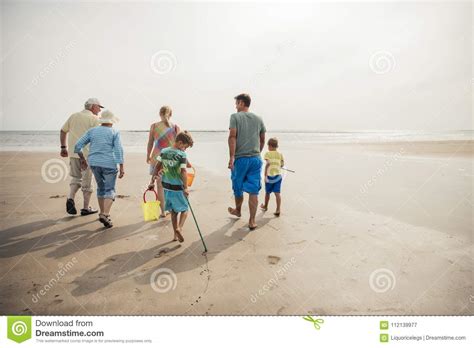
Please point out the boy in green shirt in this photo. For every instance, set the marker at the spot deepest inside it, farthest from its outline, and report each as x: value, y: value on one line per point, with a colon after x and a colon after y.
x: 171, y: 164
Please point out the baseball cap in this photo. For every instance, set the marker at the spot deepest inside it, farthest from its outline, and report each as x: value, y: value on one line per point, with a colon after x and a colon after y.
x: 93, y: 101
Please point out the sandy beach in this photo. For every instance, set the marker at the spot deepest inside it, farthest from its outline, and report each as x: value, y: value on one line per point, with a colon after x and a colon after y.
x: 366, y: 228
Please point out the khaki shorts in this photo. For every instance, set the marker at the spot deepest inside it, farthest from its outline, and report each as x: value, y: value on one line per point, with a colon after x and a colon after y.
x: 80, y: 177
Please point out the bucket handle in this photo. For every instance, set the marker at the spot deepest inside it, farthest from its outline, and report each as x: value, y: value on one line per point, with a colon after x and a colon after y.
x: 144, y: 194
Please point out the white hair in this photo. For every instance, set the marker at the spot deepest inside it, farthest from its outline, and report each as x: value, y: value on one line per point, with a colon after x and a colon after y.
x: 88, y: 106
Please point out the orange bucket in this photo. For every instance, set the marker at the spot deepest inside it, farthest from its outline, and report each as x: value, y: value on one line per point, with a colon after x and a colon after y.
x: 191, y: 177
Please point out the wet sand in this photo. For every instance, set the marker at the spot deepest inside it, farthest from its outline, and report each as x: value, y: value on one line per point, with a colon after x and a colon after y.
x: 365, y: 229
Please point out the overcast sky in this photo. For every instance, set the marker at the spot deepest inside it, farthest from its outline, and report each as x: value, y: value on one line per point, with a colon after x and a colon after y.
x: 312, y: 66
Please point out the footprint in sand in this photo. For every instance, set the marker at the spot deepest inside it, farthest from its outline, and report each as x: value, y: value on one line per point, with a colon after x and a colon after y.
x: 165, y: 251
x: 197, y: 301
x: 161, y: 253
x: 204, y: 271
x: 273, y: 260
x: 295, y: 243
x: 280, y: 310
x: 209, y: 309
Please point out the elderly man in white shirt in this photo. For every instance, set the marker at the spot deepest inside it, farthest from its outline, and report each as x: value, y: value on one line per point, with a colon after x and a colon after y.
x: 76, y: 125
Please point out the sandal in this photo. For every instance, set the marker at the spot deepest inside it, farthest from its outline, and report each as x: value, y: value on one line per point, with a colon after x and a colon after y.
x: 105, y: 219
x: 88, y: 211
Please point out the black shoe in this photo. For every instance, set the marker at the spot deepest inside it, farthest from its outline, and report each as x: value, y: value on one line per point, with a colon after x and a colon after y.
x: 70, y: 207
x: 88, y: 211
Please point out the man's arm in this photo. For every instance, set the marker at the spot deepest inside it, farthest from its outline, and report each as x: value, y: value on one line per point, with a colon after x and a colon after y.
x: 63, y: 139
x: 262, y: 141
x: 232, y: 145
x: 263, y: 130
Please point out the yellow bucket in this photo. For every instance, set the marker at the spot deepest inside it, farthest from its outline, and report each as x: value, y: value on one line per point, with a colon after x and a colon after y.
x: 151, y: 210
x: 191, y: 177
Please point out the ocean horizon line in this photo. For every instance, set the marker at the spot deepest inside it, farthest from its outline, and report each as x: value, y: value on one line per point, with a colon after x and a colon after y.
x: 272, y: 131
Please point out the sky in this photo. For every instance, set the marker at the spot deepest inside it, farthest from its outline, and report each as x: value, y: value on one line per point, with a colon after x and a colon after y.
x: 307, y: 66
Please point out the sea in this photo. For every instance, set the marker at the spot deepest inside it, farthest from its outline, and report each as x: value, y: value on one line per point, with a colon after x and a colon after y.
x: 135, y: 141
x: 210, y: 147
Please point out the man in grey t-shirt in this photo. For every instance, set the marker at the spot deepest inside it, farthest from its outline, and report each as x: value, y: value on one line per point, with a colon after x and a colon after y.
x: 246, y: 141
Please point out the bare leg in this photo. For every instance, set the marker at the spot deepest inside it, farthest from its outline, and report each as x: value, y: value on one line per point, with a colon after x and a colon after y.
x: 238, y: 207
x: 107, y: 205
x: 182, y: 219
x: 253, y: 204
x: 73, y: 188
x: 177, y: 233
x: 87, y: 198
x: 174, y: 221
x: 179, y: 230
x: 278, y: 200
x: 101, y: 205
x: 161, y: 196
x: 265, y: 205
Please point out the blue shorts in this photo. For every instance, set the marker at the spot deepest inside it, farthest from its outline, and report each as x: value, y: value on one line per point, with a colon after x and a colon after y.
x: 273, y: 184
x: 246, y: 176
x: 175, y: 201
x: 105, y: 178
